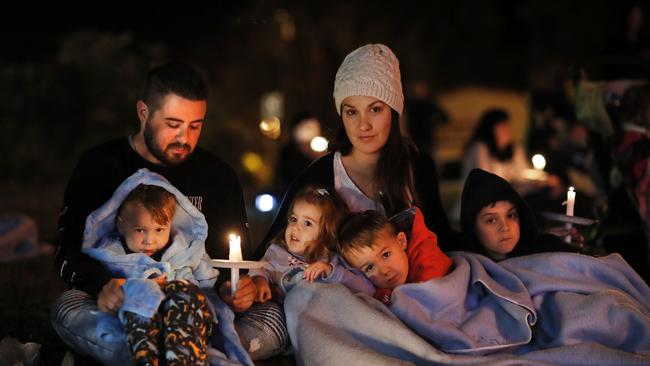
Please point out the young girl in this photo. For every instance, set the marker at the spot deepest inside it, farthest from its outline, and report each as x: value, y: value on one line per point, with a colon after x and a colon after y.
x: 498, y: 220
x: 308, y: 242
x: 151, y: 236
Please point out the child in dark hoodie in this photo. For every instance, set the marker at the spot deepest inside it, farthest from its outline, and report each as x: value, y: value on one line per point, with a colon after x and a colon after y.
x: 499, y: 222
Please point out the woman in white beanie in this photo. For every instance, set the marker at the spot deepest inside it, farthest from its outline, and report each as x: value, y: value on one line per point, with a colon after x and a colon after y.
x: 370, y: 164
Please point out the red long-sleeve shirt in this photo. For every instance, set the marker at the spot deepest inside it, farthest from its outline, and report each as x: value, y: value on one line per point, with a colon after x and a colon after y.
x: 426, y: 260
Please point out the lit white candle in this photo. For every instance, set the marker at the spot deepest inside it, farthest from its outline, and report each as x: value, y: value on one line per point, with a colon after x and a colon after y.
x: 570, y: 204
x: 570, y: 201
x: 234, y: 256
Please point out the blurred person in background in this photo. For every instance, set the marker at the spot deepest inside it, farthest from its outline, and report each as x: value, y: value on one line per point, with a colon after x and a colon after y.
x: 493, y: 149
x: 630, y: 180
x: 570, y: 157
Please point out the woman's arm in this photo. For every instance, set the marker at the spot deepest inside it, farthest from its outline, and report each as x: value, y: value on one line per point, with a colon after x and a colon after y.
x: 428, y: 200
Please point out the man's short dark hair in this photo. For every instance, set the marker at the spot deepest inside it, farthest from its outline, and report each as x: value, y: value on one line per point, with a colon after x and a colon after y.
x: 179, y: 78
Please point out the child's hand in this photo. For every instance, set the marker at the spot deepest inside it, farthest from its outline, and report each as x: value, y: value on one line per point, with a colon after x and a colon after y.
x: 161, y: 280
x: 383, y: 294
x: 317, y: 269
x: 263, y: 293
x: 111, y: 296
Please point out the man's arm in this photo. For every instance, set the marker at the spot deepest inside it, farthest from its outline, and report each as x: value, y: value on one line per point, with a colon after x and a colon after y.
x: 224, y: 210
x: 226, y: 213
x: 87, y: 189
x: 235, y: 207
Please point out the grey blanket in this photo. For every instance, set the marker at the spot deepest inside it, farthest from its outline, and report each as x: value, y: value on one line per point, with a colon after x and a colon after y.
x: 542, y: 309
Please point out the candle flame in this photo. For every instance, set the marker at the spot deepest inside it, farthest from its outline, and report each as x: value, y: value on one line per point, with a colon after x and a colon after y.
x: 235, y: 248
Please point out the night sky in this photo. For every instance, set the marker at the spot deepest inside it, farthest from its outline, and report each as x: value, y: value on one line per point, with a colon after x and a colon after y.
x: 32, y: 33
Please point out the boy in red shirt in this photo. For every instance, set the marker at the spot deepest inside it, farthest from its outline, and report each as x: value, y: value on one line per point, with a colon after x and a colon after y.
x: 369, y: 242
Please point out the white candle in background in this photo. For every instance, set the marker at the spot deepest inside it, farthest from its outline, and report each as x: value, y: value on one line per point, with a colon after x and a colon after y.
x: 570, y: 204
x: 570, y: 201
x: 234, y: 256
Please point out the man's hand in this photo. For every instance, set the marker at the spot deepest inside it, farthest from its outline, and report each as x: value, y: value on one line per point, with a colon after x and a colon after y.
x: 317, y: 269
x: 263, y: 293
x: 111, y: 296
x: 243, y: 297
x: 577, y: 240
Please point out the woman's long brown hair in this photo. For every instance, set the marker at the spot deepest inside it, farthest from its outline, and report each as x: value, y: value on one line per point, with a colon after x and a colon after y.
x: 393, y: 172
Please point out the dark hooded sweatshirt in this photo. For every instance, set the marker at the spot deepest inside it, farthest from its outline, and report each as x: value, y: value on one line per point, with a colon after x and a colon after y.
x: 483, y: 189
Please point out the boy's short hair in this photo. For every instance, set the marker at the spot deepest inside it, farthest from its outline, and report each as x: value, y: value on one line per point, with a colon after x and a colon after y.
x: 160, y: 203
x: 361, y: 229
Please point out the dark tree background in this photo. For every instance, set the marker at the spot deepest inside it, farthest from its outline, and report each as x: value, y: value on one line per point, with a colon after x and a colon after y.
x: 69, y: 77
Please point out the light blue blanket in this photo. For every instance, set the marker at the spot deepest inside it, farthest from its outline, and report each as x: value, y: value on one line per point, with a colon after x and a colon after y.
x: 184, y: 259
x: 551, y: 308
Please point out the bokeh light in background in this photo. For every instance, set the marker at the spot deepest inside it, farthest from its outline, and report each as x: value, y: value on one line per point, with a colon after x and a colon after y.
x: 287, y: 25
x: 264, y: 202
x: 271, y: 128
x: 319, y: 144
x: 306, y: 130
x: 539, y: 162
x: 252, y: 162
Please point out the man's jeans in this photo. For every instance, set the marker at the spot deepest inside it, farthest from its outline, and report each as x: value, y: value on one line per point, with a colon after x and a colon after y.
x: 262, y: 329
x: 75, y: 317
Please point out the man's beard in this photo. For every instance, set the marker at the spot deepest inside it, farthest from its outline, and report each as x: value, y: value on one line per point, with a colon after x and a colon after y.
x: 159, y: 153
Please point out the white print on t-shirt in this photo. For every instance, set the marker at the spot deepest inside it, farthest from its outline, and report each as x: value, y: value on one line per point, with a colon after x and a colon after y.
x: 197, y: 201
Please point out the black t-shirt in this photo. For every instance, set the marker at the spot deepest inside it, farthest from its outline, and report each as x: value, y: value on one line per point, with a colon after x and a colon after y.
x: 207, y: 181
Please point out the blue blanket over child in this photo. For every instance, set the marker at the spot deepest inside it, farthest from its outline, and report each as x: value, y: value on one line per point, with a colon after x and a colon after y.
x: 549, y: 308
x: 184, y: 259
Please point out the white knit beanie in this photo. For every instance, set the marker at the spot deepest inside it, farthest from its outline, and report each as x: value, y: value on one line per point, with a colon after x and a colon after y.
x: 371, y: 70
